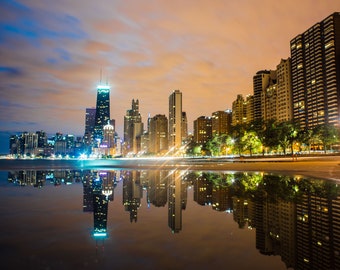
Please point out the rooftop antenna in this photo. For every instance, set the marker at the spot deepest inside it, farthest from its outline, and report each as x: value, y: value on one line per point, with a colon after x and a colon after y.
x: 100, y: 76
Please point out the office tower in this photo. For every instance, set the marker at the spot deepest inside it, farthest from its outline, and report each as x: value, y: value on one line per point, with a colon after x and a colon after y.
x: 315, y: 67
x: 133, y: 129
x: 42, y: 139
x: 202, y: 129
x: 221, y: 122
x: 239, y: 111
x: 242, y: 110
x: 108, y: 143
x: 30, y: 141
x: 184, y: 127
x: 158, y: 134
x: 102, y: 111
x: 90, y: 118
x: 261, y: 81
x: 269, y: 102
x: 284, y: 91
x: 175, y: 119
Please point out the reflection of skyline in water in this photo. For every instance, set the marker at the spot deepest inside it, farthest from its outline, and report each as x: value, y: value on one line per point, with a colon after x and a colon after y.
x: 295, y: 218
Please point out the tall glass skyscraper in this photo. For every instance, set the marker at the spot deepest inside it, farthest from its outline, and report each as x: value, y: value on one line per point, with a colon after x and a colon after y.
x: 102, y: 111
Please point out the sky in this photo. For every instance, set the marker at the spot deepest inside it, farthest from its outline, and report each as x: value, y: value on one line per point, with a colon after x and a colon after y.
x: 53, y: 54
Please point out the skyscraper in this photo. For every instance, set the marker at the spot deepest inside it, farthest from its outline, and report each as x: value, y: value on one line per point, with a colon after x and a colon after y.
x: 315, y: 71
x: 102, y: 111
x: 158, y: 133
x: 133, y: 128
x: 175, y: 119
x: 261, y: 81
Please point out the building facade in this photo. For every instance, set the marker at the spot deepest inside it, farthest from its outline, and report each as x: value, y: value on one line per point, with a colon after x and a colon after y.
x: 221, y: 122
x: 261, y: 81
x: 102, y: 111
x: 315, y: 71
x: 158, y: 134
x: 133, y: 129
x: 175, y: 119
x: 284, y: 91
x: 202, y: 129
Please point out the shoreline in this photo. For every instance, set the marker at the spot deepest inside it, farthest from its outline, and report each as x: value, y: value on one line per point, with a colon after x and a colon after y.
x: 324, y: 167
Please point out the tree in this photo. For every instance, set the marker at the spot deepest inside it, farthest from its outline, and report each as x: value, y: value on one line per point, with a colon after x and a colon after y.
x: 287, y: 133
x: 250, y: 141
x: 327, y: 134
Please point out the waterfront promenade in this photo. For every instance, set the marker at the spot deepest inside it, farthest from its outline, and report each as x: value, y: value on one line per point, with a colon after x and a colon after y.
x: 325, y: 167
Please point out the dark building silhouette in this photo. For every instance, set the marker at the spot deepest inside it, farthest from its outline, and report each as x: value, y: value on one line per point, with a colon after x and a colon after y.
x: 102, y: 111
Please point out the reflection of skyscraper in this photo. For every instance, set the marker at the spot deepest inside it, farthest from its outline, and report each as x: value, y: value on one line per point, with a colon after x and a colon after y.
x: 177, y: 201
x: 158, y: 187
x: 102, y: 110
x: 132, y: 193
x: 203, y: 190
x: 87, y: 192
x: 100, y: 208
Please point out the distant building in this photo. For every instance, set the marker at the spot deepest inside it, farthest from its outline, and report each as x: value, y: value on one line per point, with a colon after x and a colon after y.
x: 184, y: 127
x: 158, y: 134
x: 221, y: 122
x: 133, y: 129
x: 202, y: 129
x: 315, y: 71
x: 242, y: 110
x: 284, y: 91
x: 90, y: 119
x: 261, y: 81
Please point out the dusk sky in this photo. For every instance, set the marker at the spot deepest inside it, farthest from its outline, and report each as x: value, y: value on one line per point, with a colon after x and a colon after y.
x: 52, y: 53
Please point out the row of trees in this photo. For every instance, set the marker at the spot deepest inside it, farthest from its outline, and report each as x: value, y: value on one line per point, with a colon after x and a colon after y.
x: 269, y: 137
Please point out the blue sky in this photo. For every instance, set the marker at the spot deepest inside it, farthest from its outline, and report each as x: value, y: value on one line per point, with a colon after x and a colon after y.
x: 52, y: 54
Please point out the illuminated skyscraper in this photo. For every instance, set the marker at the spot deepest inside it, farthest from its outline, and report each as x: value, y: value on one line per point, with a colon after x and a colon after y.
x: 261, y: 81
x: 158, y: 133
x: 102, y: 111
x: 133, y: 129
x: 175, y: 119
x: 315, y: 71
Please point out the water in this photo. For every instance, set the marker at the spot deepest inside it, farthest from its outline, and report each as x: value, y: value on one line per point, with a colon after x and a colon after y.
x: 161, y: 219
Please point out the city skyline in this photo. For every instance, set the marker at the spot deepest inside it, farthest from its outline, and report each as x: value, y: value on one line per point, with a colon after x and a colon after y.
x: 50, y: 71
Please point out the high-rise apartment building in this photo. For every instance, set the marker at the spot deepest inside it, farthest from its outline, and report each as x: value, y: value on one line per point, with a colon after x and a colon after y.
x: 242, y: 110
x: 315, y: 71
x: 261, y: 81
x: 184, y: 127
x: 202, y: 129
x: 133, y: 129
x: 269, y: 102
x: 102, y: 111
x: 221, y: 122
x: 158, y: 134
x: 284, y: 91
x: 175, y: 119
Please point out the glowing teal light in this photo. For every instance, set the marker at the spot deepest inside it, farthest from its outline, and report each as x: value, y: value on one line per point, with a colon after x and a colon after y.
x: 103, y: 234
x: 103, y: 87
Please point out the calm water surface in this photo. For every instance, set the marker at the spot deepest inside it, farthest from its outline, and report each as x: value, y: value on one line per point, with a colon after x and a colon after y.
x: 125, y: 219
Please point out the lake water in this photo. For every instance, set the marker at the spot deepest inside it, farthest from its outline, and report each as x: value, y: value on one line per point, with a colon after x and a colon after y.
x: 162, y: 219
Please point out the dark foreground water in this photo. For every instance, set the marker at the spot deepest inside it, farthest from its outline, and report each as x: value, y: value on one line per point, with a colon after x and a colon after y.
x: 136, y: 219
